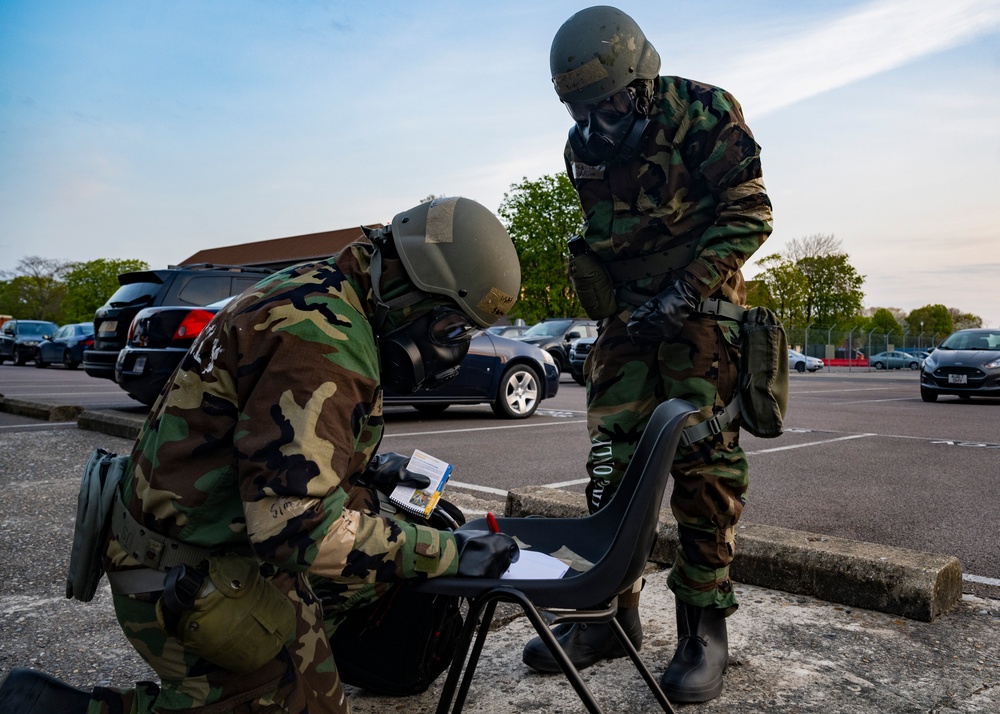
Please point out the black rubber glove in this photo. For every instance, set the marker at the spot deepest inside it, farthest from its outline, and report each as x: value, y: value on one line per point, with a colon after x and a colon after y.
x: 386, y: 471
x: 663, y: 316
x: 482, y: 554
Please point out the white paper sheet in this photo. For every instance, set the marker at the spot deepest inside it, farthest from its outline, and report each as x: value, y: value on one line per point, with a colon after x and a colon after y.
x: 532, y: 565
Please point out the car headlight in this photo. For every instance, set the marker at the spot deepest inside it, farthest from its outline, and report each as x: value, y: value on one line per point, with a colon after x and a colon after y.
x: 548, y: 358
x: 995, y: 364
x: 929, y: 364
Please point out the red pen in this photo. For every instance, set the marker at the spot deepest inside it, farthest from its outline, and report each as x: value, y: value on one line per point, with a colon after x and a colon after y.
x: 491, y: 523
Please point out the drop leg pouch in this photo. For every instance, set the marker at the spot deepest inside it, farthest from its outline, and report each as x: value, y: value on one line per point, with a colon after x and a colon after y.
x: 240, y: 620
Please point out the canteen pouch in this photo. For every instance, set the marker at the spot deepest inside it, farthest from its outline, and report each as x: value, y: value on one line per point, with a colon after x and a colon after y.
x: 238, y: 621
x: 763, y: 373
x: 591, y: 281
x: 98, y: 492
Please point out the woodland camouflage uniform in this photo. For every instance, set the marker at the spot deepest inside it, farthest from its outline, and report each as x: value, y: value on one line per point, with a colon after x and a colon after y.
x: 256, y: 445
x: 694, y: 190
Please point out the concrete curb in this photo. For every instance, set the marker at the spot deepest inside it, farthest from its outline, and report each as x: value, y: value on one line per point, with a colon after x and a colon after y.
x: 111, y: 423
x: 909, y: 583
x: 45, y: 412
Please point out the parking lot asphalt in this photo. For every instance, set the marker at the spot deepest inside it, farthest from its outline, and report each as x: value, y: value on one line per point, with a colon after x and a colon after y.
x: 789, y: 651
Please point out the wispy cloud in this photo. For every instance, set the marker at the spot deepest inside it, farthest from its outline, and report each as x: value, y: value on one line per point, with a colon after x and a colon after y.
x: 879, y: 36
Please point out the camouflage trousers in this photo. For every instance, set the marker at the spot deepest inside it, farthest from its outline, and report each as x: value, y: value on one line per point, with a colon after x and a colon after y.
x: 625, y: 383
x: 302, y: 678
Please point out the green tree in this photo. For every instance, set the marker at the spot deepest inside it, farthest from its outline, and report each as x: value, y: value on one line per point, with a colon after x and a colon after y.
x: 884, y: 322
x: 89, y: 284
x: 34, y: 289
x: 934, y: 322
x: 783, y: 288
x: 835, y: 293
x: 964, y: 320
x: 541, y: 216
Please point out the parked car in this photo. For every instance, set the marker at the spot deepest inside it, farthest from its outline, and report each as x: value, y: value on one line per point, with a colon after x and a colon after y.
x: 66, y: 346
x: 508, y: 330
x: 894, y: 360
x: 509, y: 375
x: 800, y: 362
x: 966, y: 364
x: 19, y: 338
x: 185, y: 285
x: 555, y: 335
x: 578, y: 352
x: 512, y: 377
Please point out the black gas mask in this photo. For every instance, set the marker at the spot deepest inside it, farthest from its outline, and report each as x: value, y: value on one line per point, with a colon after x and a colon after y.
x: 425, y: 353
x: 609, y: 130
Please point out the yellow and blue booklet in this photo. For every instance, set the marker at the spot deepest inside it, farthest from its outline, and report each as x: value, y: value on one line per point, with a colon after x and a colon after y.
x: 421, y: 501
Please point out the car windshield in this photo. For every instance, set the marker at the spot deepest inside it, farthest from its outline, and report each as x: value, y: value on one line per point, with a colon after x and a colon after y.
x: 36, y: 328
x: 973, y: 340
x: 549, y: 328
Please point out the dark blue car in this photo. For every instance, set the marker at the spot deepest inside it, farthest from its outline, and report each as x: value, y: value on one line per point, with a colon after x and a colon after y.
x: 511, y: 376
x: 66, y: 346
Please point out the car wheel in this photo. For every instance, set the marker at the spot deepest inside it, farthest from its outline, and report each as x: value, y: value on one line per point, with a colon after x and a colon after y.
x: 800, y: 366
x: 927, y: 395
x: 579, y: 379
x: 39, y: 362
x: 68, y: 361
x: 20, y: 360
x: 430, y: 408
x: 879, y: 365
x: 914, y: 365
x: 517, y: 397
x: 558, y: 360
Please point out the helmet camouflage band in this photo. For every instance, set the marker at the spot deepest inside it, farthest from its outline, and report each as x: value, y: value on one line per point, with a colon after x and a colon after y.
x: 597, y: 53
x: 458, y: 248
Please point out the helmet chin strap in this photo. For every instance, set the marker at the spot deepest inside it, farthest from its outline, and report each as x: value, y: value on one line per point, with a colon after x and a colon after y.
x: 380, y: 239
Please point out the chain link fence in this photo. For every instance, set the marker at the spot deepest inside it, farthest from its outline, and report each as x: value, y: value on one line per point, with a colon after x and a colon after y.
x: 832, y: 343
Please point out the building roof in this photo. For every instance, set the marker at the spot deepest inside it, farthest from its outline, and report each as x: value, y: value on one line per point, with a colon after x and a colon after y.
x: 279, y: 252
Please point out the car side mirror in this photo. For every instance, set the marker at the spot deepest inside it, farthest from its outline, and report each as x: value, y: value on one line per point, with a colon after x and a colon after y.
x: 46, y: 337
x: 573, y: 336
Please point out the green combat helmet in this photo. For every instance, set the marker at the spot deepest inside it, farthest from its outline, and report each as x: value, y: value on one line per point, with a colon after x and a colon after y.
x: 458, y: 248
x: 597, y: 53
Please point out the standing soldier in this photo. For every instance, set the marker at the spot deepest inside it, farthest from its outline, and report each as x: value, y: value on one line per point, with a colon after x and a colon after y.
x: 252, y: 476
x: 669, y: 178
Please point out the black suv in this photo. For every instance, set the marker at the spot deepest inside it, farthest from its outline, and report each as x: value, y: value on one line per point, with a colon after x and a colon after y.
x: 555, y: 334
x: 196, y: 285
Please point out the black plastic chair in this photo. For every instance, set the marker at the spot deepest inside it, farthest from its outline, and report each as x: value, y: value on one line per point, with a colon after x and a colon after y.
x: 609, y: 551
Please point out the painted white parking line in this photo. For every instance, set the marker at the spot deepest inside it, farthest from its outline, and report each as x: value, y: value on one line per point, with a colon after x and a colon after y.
x: 810, y: 443
x: 41, y: 427
x: 477, y: 487
x: 874, y: 401
x: 981, y: 579
x: 564, y: 484
x: 533, y: 425
x: 841, y: 391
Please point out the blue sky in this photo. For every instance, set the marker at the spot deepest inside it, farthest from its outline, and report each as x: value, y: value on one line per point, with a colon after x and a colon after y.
x: 153, y: 129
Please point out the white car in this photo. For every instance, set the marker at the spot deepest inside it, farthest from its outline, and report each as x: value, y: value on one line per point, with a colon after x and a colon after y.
x: 801, y: 363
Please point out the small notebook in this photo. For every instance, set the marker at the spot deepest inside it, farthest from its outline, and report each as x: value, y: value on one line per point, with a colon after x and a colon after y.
x: 421, y: 501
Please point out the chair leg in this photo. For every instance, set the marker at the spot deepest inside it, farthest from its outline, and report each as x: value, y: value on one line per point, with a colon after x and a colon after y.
x: 633, y: 653
x: 571, y: 672
x: 477, y: 623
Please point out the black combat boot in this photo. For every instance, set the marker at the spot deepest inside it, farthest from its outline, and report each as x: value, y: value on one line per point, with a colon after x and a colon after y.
x: 28, y: 691
x: 585, y: 643
x: 695, y: 672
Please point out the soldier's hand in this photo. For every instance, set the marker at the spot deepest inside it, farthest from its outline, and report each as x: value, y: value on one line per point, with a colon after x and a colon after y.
x: 662, y: 317
x: 386, y: 471
x: 482, y: 554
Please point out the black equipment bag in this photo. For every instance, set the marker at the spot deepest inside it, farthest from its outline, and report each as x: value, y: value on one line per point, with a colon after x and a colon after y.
x: 399, y: 644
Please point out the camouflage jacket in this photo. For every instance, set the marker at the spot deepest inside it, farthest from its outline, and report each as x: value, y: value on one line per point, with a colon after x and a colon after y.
x: 255, y: 440
x: 695, y: 190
